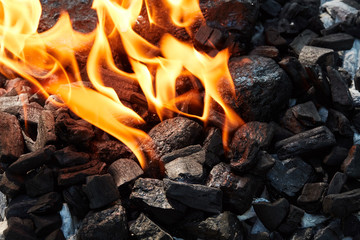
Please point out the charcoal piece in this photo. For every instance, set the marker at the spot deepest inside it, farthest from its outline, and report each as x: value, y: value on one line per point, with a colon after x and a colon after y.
x: 291, y: 123
x: 252, y: 132
x: 271, y: 8
x: 73, y: 131
x: 320, y: 82
x: 20, y: 229
x: 10, y: 184
x: 77, y: 200
x: 265, y: 51
x: 247, y: 160
x: 46, y: 224
x: 110, y: 223
x: 196, y: 196
x: 264, y: 163
x: 187, y: 169
x: 183, y: 152
x: 11, y: 139
x: 289, y: 176
x: 307, y: 114
x: 310, y: 55
x: 272, y: 214
x: 305, y: 142
x: 208, y: 37
x: 223, y: 226
x: 172, y: 134
x: 262, y: 88
x: 40, y: 182
x: 337, y: 183
x: 214, y: 147
x: 273, y: 37
x: 331, y: 232
x: 149, y: 194
x: 339, y: 124
x: 56, y: 235
x: 280, y: 133
x: 357, y: 80
x: 303, y: 234
x: 29, y: 161
x: 346, y: 76
x: 109, y: 150
x: 342, y: 204
x: 351, y: 165
x: 337, y: 41
x: 144, y: 228
x: 301, y: 40
x: 336, y: 156
x: 47, y: 204
x: 351, y: 226
x: 292, y: 221
x: 46, y: 130
x: 124, y: 170
x: 238, y: 191
x: 68, y: 157
x: 101, y: 190
x: 312, y: 196
x: 13, y: 104
x: 31, y: 113
x: 19, y: 206
x: 78, y: 174
x: 341, y: 96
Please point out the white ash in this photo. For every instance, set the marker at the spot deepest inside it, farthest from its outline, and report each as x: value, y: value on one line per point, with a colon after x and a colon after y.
x: 324, y: 113
x: 3, y: 204
x: 351, y: 58
x: 338, y: 10
x: 310, y: 220
x: 326, y: 19
x: 355, y: 94
x: 69, y: 223
x: 3, y: 226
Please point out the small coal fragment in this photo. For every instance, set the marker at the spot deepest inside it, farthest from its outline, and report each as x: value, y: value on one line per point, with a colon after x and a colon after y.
x: 336, y: 156
x: 46, y: 224
x: 11, y: 139
x: 264, y: 163
x: 252, y: 132
x: 336, y: 41
x: 108, y: 224
x: 262, y: 88
x: 78, y: 174
x: 150, y: 195
x: 291, y: 123
x: 47, y: 204
x: 101, y: 190
x: 214, y: 147
x: 292, y: 221
x: 337, y: 183
x: 77, y: 200
x: 173, y: 134
x: 68, y: 157
x: 247, y: 160
x: 342, y: 204
x: 39, y: 183
x: 312, y: 196
x: 209, y: 38
x: 29, y: 161
x: 265, y: 51
x: 110, y: 150
x: 124, y: 170
x: 351, y: 164
x: 20, y: 229
x: 322, y: 86
x: 310, y: 55
x: 144, y: 228
x: 195, y: 196
x: 19, y: 206
x: 46, y: 130
x: 183, y: 152
x: 10, y: 184
x: 305, y: 142
x: 224, y: 226
x: 339, y: 124
x: 289, y: 176
x: 187, y: 169
x: 303, y: 39
x: 238, y: 191
x: 307, y: 114
x: 272, y: 214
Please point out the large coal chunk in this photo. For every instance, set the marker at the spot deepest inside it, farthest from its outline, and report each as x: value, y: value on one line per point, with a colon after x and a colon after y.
x: 342, y: 204
x: 47, y: 204
x: 336, y: 41
x: 108, y: 224
x: 195, y: 196
x: 310, y: 56
x: 149, y: 194
x: 223, y: 226
x: 311, y: 196
x: 238, y: 191
x: 305, y: 142
x: 124, y: 170
x: 293, y: 220
x: 11, y: 139
x: 272, y: 214
x: 351, y: 164
x: 39, y: 183
x: 10, y: 184
x: 289, y: 176
x: 46, y: 224
x: 144, y: 228
x: 68, y: 157
x: 77, y: 200
x: 262, y: 87
x: 20, y: 229
x: 19, y: 206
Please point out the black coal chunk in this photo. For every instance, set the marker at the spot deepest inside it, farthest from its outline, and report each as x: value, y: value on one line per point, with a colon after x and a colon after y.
x: 351, y: 164
x: 19, y: 228
x: 109, y: 150
x: 11, y: 139
x: 262, y: 87
x: 238, y: 191
x: 307, y: 114
x: 339, y: 124
x: 336, y: 41
x: 46, y: 224
x: 310, y: 55
x: 265, y: 51
x: 183, y: 152
x: 10, y: 184
x: 337, y: 183
x: 336, y: 156
x: 124, y: 170
x: 68, y: 157
x: 39, y: 183
x: 213, y: 146
x: 77, y: 200
x: 144, y: 228
x: 247, y: 160
x: 311, y: 196
x: 301, y: 40
x: 47, y: 204
x: 29, y: 161
x: 351, y: 226
x: 292, y: 221
x: 289, y: 176
x: 196, y: 196
x: 332, y: 231
x: 149, y: 194
x: 45, y: 132
x: 264, y: 163
x: 110, y: 223
x: 19, y: 206
x: 342, y: 204
x: 101, y: 190
x: 272, y: 214
x: 210, y: 38
x: 56, y: 235
x: 271, y: 7
x: 305, y: 142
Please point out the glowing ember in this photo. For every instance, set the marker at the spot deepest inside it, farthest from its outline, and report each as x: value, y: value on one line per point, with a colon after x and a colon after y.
x: 48, y: 60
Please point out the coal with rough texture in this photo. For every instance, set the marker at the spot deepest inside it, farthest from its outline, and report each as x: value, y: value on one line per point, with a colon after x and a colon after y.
x: 77, y: 200
x: 183, y: 152
x: 342, y: 204
x: 10, y: 184
x: 109, y: 150
x: 336, y: 41
x: 351, y: 164
x: 337, y: 183
x: 46, y: 130
x: 144, y: 228
x: 307, y: 114
x: 40, y: 182
x: 303, y: 39
x: 336, y: 156
x: 310, y: 55
x: 292, y: 220
x: 311, y: 196
x: 20, y: 229
x: 124, y: 170
x: 247, y: 160
x: 272, y: 214
x: 68, y: 157
x: 265, y: 51
x: 339, y: 124
x: 19, y: 205
x: 47, y: 204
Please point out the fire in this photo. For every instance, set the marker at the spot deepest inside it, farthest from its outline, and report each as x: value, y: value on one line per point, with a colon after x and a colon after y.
x: 48, y: 60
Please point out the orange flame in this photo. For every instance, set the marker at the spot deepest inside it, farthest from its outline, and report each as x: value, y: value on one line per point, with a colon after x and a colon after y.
x: 48, y: 60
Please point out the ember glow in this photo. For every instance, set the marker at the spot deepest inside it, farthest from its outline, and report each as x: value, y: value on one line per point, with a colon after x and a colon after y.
x: 48, y: 60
